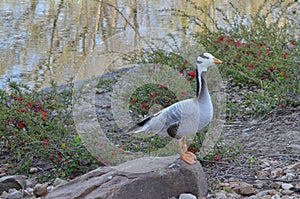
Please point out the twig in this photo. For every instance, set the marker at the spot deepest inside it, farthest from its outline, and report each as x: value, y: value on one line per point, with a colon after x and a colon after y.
x: 275, y: 155
x: 254, y: 178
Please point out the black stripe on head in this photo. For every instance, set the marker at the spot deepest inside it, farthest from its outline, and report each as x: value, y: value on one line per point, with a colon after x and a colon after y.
x: 203, y: 56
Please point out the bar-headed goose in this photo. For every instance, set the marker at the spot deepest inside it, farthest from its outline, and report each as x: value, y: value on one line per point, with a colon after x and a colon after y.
x: 185, y: 117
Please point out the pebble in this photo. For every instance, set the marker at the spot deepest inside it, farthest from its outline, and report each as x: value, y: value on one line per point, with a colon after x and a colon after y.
x: 293, y: 167
x: 58, y: 182
x: 286, y: 186
x: 221, y: 194
x: 290, y: 176
x: 287, y: 192
x: 187, y: 196
x: 276, y: 197
x: 15, y: 195
x: 33, y: 170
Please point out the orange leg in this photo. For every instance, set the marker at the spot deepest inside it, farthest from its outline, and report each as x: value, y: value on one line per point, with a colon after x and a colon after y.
x: 187, y: 156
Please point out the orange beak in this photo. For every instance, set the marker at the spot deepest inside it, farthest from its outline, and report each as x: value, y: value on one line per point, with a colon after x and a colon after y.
x: 217, y: 61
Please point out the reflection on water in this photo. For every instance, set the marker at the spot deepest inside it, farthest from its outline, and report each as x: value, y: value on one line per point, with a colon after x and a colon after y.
x: 49, y: 40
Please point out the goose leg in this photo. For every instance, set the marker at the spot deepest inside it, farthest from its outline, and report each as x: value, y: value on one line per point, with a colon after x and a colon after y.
x: 187, y: 156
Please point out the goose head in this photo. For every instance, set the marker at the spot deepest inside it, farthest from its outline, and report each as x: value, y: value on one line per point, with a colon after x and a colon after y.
x: 206, y: 60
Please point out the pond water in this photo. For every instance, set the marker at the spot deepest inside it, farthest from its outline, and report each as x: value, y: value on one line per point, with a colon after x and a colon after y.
x: 42, y: 40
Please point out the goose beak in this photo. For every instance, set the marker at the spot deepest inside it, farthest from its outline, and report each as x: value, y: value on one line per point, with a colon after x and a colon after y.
x: 217, y: 61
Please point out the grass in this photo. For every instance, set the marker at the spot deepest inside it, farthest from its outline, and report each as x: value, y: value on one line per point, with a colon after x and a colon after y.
x: 260, y: 61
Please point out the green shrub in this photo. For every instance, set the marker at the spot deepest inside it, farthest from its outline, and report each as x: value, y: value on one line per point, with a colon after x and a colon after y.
x: 261, y: 54
x: 36, y: 128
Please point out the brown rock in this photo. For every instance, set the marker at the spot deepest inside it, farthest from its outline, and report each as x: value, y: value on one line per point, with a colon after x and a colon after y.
x: 245, y: 189
x: 5, y: 167
x: 275, y: 185
x: 155, y: 178
x: 276, y: 173
x: 262, y: 174
x: 40, y: 189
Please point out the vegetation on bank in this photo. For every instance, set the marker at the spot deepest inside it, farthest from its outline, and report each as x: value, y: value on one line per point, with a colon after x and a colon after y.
x: 260, y: 60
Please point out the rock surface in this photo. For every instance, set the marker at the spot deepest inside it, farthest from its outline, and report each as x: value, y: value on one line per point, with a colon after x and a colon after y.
x: 172, y: 179
x: 12, y: 182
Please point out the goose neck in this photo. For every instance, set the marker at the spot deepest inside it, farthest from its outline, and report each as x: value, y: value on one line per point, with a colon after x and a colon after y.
x: 201, y: 84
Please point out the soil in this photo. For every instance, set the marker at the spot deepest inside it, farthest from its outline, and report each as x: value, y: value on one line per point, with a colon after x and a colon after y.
x: 275, y: 138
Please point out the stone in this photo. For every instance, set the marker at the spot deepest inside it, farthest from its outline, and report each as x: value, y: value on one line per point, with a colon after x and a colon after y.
x: 276, y: 196
x: 233, y: 179
x: 148, y: 177
x: 49, y: 188
x: 276, y: 173
x: 265, y: 193
x: 15, y: 195
x: 27, y: 193
x: 266, y: 197
x: 33, y: 170
x: 187, y: 196
x: 221, y: 195
x: 259, y: 184
x: 2, y: 170
x: 262, y: 193
x: 262, y: 174
x: 58, y: 182
x: 287, y: 186
x: 275, y: 185
x: 4, y: 194
x: 5, y: 167
x: 12, y: 182
x: 253, y: 197
x: 287, y: 192
x: 31, y: 182
x: 293, y: 167
x: 245, y: 189
x: 29, y: 190
x: 290, y: 197
x: 40, y: 189
x: 290, y: 176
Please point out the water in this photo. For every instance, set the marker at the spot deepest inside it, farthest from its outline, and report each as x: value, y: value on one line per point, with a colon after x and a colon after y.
x: 43, y: 40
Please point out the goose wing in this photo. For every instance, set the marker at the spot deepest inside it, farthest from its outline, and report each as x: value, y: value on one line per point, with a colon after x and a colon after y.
x: 169, y: 120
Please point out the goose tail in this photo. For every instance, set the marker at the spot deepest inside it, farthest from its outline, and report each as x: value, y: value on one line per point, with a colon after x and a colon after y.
x: 139, y: 127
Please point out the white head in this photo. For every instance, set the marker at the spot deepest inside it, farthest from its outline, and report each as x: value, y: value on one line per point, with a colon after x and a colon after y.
x: 206, y: 60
